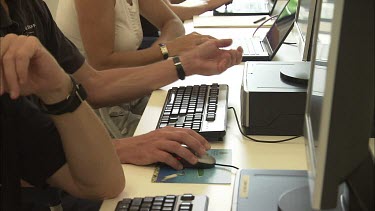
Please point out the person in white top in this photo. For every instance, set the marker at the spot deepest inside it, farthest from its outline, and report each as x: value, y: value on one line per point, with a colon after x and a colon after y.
x: 109, y: 33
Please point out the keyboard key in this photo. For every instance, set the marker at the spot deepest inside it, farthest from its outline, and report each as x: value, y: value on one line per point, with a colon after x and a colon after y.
x: 187, y: 197
x: 186, y: 202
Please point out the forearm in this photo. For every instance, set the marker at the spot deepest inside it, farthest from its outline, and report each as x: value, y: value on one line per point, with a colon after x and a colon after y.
x: 171, y: 30
x: 115, y: 86
x: 187, y: 12
x: 119, y: 59
x: 93, y: 163
x: 94, y: 167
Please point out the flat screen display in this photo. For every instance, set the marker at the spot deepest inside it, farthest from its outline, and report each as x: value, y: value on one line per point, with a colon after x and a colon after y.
x: 282, y: 25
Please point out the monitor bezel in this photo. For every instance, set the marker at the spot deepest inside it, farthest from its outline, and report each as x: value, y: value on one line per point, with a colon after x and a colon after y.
x: 347, y: 90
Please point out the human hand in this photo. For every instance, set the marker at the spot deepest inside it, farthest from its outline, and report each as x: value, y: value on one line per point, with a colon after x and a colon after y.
x: 213, y: 4
x: 26, y: 68
x: 157, y: 146
x: 210, y: 59
x: 186, y: 42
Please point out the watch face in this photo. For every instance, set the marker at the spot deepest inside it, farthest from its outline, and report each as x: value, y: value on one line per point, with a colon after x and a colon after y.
x: 164, y: 50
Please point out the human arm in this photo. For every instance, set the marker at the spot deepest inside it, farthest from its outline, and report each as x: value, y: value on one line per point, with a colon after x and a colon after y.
x: 27, y: 68
x: 111, y: 87
x: 163, y: 18
x: 185, y: 12
x: 158, y: 146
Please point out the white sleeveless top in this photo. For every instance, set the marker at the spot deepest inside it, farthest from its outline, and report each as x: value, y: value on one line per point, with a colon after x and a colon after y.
x: 128, y: 29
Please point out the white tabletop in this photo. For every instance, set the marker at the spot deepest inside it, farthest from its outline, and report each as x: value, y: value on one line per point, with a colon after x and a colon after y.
x: 245, y: 153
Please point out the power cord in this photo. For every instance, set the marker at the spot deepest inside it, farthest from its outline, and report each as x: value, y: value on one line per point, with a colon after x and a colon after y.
x: 290, y: 43
x: 265, y: 21
x: 225, y: 165
x: 257, y: 140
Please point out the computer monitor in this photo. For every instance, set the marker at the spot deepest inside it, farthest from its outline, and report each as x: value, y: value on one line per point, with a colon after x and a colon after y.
x: 304, y: 25
x: 340, y: 105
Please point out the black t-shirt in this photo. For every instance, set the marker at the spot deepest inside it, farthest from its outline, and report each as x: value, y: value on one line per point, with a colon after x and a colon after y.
x: 32, y: 17
x: 39, y: 146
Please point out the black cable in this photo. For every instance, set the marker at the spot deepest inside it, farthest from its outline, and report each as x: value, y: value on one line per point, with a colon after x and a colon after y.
x: 257, y: 140
x: 219, y: 164
x: 290, y: 43
x: 265, y: 21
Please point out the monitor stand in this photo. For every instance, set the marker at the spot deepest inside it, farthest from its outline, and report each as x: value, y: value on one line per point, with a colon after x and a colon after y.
x: 299, y: 199
x: 273, y: 190
x: 296, y: 75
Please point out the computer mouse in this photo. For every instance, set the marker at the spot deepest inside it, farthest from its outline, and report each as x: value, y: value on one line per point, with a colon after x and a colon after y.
x: 205, y: 161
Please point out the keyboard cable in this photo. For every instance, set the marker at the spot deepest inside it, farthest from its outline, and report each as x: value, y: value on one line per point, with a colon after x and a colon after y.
x: 257, y: 140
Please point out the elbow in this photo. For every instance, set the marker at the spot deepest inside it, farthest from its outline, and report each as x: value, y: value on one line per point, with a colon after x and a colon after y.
x: 114, y: 189
x: 107, y: 190
x: 114, y: 186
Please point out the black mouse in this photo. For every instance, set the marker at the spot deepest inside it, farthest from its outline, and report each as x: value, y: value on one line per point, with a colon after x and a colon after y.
x: 204, y: 162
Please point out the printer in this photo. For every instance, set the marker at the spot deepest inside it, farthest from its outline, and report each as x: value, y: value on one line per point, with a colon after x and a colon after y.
x: 271, y: 105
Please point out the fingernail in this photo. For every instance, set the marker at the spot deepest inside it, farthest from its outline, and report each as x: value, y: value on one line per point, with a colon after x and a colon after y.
x: 208, y: 146
x: 13, y: 95
x: 180, y: 167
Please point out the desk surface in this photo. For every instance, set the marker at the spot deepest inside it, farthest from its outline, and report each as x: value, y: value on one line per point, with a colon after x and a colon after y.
x: 246, y: 154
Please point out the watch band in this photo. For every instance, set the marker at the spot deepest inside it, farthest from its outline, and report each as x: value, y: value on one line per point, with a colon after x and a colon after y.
x: 179, y: 68
x: 164, y: 50
x: 70, y: 104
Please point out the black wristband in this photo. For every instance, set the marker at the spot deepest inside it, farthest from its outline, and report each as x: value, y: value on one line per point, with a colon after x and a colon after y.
x: 164, y: 50
x: 179, y: 68
x: 70, y: 104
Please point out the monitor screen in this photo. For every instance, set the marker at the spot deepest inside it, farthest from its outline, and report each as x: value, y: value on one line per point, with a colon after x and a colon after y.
x: 282, y: 26
x: 340, y: 105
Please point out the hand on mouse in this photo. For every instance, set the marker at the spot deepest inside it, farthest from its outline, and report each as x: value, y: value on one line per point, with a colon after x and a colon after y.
x: 159, y: 145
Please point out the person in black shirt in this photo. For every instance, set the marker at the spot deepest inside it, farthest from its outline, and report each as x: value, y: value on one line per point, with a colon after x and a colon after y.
x: 20, y: 19
x: 58, y: 149
x: 115, y: 86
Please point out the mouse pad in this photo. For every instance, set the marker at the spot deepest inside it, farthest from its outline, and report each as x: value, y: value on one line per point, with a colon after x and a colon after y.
x: 216, y: 175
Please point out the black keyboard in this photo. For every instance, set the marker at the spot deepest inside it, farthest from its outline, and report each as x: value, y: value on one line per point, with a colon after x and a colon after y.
x: 186, y: 202
x: 202, y: 108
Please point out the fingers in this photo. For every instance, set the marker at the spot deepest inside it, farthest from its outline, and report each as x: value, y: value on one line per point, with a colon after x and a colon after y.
x: 8, y: 67
x: 188, y: 137
x: 171, y: 147
x: 169, y: 160
x: 16, y: 52
x: 223, y: 43
x: 172, y: 140
x: 199, y: 38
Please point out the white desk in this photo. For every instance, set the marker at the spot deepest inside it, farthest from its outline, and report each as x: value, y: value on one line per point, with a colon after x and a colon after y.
x: 245, y: 153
